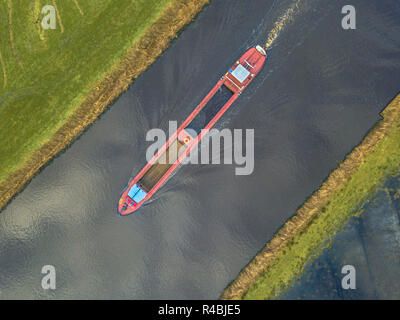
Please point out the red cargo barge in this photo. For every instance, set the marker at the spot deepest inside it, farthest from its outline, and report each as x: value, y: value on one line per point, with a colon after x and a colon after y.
x: 224, y: 93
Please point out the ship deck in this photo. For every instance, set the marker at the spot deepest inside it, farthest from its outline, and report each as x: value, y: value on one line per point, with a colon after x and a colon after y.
x: 164, y: 162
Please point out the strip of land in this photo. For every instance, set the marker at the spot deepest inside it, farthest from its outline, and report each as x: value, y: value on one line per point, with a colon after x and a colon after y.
x: 310, y: 230
x: 72, y: 73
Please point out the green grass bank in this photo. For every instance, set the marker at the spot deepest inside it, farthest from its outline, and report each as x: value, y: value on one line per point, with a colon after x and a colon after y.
x: 341, y: 196
x: 56, y: 82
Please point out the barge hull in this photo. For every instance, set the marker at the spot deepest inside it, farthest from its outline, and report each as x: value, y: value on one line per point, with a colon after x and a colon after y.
x: 163, y: 163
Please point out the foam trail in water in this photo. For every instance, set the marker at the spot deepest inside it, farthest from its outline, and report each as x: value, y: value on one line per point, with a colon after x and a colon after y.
x: 283, y: 20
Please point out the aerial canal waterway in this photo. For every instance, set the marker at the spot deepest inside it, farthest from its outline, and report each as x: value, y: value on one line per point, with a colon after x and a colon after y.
x: 320, y: 92
x: 57, y: 80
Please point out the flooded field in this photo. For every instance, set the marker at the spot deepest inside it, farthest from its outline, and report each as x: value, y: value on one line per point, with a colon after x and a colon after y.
x: 320, y: 92
x: 370, y: 243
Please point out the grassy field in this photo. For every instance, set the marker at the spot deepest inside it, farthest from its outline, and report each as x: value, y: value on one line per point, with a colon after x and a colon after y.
x: 47, y: 73
x: 56, y: 82
x: 305, y: 235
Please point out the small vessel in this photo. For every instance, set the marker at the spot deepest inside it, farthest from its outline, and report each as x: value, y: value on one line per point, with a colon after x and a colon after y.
x: 204, y: 116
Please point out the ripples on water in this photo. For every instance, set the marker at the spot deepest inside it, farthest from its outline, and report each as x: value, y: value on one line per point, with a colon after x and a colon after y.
x: 371, y: 244
x: 282, y: 21
x: 320, y: 91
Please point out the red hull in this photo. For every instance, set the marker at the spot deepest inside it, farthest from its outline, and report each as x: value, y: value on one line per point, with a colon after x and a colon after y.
x: 236, y: 80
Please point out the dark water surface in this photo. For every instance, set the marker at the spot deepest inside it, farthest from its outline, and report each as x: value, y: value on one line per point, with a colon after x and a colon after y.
x: 371, y: 244
x: 319, y: 93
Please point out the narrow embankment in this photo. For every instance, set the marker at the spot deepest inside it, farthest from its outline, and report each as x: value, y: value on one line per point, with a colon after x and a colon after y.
x: 57, y: 82
x: 324, y: 214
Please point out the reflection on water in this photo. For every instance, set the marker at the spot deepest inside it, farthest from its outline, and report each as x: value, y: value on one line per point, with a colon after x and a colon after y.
x: 371, y: 244
x: 313, y: 102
